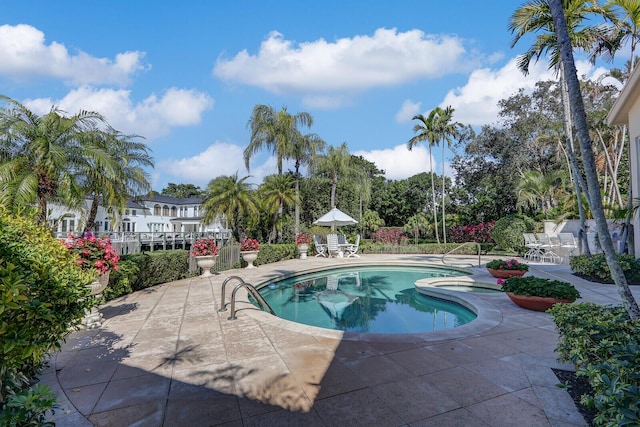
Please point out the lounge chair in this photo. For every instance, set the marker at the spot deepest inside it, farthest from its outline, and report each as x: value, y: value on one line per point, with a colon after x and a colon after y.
x: 332, y: 245
x: 568, y: 243
x: 321, y: 248
x: 547, y: 246
x: 352, y: 249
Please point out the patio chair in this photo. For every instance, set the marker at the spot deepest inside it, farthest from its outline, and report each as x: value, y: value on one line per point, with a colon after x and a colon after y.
x: 342, y: 239
x: 332, y: 245
x: 533, y: 245
x: 352, y: 249
x: 548, y: 246
x: 568, y: 243
x: 321, y: 248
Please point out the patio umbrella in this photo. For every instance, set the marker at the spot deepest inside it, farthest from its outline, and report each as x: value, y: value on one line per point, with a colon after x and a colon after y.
x: 334, y: 218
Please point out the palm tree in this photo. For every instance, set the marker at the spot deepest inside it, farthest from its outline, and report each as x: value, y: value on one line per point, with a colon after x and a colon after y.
x: 426, y: 132
x: 39, y: 155
x: 582, y: 128
x: 232, y: 197
x: 445, y: 130
x: 277, y: 191
x: 334, y: 164
x: 121, y: 178
x: 536, y: 16
x: 303, y: 151
x: 274, y: 130
x: 537, y: 189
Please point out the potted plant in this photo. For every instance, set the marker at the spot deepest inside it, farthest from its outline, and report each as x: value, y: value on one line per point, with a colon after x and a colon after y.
x: 303, y: 241
x: 536, y: 293
x: 205, y: 251
x: 98, y: 256
x: 249, y: 250
x: 503, y: 269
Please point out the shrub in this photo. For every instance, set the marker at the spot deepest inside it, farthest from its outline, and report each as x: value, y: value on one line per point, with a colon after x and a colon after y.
x: 394, y: 236
x: 275, y: 253
x: 480, y: 233
x: 511, y: 264
x: 158, y: 267
x: 120, y: 281
x: 604, y: 345
x: 596, y: 269
x: 507, y: 231
x: 539, y: 287
x: 42, y: 296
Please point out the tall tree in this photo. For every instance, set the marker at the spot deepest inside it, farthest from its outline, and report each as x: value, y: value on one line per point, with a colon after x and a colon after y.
x: 274, y: 130
x: 445, y: 130
x: 182, y: 191
x: 303, y: 151
x: 40, y: 155
x: 334, y: 164
x: 580, y: 121
x: 276, y: 191
x: 231, y: 196
x: 535, y: 16
x: 426, y: 132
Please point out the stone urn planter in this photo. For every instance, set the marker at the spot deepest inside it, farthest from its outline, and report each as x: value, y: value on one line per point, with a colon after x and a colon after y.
x: 505, y: 274
x: 206, y: 262
x: 302, y: 250
x: 536, y: 303
x: 249, y: 257
x: 93, y: 317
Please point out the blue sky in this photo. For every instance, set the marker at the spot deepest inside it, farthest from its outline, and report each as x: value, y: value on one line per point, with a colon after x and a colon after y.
x: 186, y: 75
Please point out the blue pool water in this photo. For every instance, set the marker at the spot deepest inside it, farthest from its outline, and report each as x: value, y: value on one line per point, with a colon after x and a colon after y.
x: 371, y: 299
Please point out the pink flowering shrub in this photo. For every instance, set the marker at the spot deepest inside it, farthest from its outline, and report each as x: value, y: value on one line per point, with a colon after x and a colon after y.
x: 393, y: 236
x: 480, y: 233
x: 249, y: 245
x: 93, y: 252
x: 204, y: 247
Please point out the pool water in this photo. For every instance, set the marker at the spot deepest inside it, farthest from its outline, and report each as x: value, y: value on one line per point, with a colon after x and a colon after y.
x: 372, y: 299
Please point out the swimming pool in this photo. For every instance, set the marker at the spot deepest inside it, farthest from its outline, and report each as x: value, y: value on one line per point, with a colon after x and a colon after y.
x: 369, y: 299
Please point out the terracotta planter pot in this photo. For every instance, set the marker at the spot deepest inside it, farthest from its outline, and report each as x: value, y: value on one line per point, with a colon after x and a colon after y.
x: 535, y: 303
x: 505, y: 274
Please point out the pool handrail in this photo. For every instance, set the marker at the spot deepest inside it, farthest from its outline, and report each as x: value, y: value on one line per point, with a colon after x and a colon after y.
x: 460, y: 246
x: 224, y: 286
x: 254, y: 293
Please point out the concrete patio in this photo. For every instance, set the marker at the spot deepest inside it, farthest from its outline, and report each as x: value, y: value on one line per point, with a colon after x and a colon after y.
x: 165, y: 356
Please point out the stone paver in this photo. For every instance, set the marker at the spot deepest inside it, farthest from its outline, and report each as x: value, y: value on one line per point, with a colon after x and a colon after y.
x: 166, y: 357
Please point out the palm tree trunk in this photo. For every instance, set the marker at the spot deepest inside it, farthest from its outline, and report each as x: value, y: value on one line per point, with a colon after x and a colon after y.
x: 580, y: 120
x: 578, y: 182
x: 433, y: 197
x: 444, y: 227
x: 93, y: 212
x: 297, y: 205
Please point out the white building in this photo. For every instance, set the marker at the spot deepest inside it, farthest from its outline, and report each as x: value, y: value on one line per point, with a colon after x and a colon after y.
x: 626, y: 111
x: 145, y: 214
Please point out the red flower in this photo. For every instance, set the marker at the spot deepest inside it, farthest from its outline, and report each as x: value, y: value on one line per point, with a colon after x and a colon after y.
x: 204, y: 247
x: 302, y: 239
x: 249, y: 245
x: 93, y: 253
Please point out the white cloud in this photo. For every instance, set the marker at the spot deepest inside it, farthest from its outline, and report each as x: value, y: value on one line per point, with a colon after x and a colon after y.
x: 400, y: 163
x: 219, y: 159
x: 327, y: 69
x: 407, y: 111
x: 150, y: 118
x: 24, y: 53
x: 476, y: 102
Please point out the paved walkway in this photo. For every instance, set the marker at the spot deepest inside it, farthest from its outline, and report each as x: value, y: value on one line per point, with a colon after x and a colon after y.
x: 166, y: 357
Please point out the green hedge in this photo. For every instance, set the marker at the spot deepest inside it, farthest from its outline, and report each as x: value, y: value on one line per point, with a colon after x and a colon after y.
x: 604, y: 345
x: 507, y: 231
x: 596, y: 269
x: 42, y: 296
x: 273, y: 253
x: 427, y: 248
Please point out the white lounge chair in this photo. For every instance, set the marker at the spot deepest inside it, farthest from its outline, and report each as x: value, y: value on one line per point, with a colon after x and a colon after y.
x: 568, y: 243
x: 352, y: 249
x: 321, y: 248
x: 547, y: 245
x: 534, y: 252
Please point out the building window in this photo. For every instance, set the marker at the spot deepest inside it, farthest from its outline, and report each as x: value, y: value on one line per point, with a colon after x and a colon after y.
x: 165, y: 210
x: 134, y: 212
x: 156, y: 210
x: 174, y: 211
